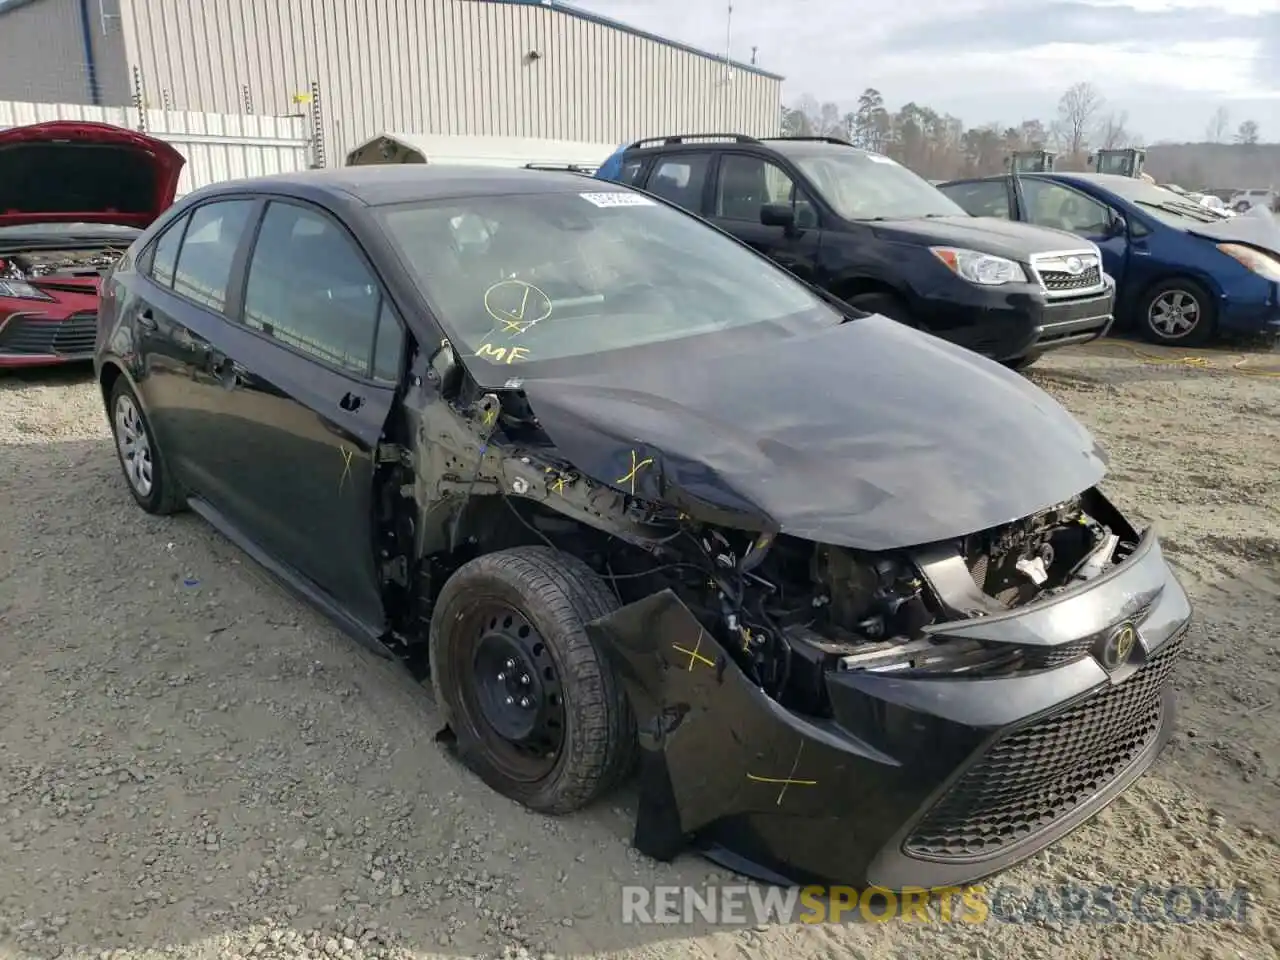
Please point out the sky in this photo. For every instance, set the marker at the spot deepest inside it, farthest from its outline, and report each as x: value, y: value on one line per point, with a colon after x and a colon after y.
x: 1170, y: 64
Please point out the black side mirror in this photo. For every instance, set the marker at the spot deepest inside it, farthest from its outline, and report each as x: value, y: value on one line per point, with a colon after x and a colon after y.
x: 1118, y: 226
x: 778, y: 215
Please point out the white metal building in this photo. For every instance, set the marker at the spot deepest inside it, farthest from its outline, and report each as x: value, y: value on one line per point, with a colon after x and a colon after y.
x: 356, y: 68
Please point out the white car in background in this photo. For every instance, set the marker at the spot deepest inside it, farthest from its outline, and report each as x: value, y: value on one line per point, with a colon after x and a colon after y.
x: 1210, y: 202
x: 1257, y: 197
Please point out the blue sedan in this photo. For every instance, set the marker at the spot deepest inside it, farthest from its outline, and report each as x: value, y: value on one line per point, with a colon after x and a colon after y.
x: 1183, y: 273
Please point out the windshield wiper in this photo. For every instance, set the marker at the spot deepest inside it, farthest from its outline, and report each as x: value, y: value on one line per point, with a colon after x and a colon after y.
x: 1190, y: 211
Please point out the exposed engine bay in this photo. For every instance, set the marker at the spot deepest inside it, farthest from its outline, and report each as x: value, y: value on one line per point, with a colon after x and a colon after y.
x: 37, y: 264
x: 787, y: 610
x: 790, y: 610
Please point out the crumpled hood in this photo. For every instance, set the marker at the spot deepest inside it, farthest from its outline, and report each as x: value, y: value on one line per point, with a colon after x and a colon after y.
x: 868, y: 435
x: 1004, y: 238
x: 69, y: 171
x: 1261, y: 231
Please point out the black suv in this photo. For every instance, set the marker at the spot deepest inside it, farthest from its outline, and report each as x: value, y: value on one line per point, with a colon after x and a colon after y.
x: 871, y: 232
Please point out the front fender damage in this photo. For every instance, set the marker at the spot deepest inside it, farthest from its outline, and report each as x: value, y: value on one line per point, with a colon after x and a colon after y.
x: 716, y: 751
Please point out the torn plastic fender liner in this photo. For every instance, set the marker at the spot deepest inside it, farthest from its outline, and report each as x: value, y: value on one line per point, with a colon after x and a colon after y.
x: 718, y: 753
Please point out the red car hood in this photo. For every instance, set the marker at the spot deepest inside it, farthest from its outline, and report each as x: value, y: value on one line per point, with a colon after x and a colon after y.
x: 67, y: 171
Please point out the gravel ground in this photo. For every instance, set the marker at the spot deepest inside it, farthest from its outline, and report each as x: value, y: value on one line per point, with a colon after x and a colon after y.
x: 193, y: 764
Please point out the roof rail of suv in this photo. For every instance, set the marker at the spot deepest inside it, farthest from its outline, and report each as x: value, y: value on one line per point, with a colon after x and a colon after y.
x: 843, y: 143
x: 687, y: 137
x: 566, y: 167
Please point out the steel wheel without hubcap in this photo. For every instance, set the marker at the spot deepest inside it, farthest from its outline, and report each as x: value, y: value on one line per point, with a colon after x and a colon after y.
x: 1174, y: 314
x: 135, y: 446
x: 511, y: 688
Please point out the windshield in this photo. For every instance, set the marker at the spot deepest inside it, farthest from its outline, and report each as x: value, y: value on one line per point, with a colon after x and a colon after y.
x: 543, y: 277
x: 868, y: 186
x: 1162, y: 204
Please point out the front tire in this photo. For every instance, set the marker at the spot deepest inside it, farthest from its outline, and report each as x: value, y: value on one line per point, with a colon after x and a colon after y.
x: 537, y: 710
x: 144, y: 467
x: 885, y: 304
x: 1177, y: 312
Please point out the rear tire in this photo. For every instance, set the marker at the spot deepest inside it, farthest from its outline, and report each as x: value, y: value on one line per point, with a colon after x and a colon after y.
x: 885, y: 304
x: 1177, y: 312
x: 145, y: 471
x: 508, y: 627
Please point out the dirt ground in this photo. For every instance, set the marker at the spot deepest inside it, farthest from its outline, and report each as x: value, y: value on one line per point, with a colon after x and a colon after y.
x: 193, y: 764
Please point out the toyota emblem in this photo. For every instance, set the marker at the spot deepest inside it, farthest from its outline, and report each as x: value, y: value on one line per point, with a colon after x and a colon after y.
x: 1075, y: 266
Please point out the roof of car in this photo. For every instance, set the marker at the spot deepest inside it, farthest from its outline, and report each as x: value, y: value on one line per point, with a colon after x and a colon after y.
x: 379, y: 184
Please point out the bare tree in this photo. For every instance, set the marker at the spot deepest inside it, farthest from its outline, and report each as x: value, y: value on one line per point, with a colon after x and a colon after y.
x: 1113, y: 131
x: 1247, y: 132
x: 1219, y: 124
x: 1077, y: 111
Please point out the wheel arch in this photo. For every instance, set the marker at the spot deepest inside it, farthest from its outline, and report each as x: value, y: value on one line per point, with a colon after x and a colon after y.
x: 109, y: 373
x: 856, y: 286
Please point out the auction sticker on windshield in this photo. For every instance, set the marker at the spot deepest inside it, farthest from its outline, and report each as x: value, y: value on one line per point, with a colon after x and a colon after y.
x: 617, y: 199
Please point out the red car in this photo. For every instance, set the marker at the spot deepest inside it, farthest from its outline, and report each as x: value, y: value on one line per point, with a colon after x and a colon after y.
x: 73, y: 196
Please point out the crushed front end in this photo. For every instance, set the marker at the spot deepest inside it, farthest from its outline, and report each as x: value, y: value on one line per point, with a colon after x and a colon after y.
x: 925, y: 717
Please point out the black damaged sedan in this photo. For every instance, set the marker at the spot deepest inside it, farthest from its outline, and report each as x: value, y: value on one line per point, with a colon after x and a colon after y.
x: 845, y: 597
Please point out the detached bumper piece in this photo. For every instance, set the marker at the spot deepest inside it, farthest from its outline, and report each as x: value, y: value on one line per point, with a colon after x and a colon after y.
x: 919, y: 780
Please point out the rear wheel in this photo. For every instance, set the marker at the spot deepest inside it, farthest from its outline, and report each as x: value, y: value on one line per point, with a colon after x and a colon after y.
x: 1177, y: 312
x: 538, y: 709
x: 885, y: 304
x: 144, y: 467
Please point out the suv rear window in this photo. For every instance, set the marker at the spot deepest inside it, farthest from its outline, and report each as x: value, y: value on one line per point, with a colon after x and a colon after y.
x: 631, y: 172
x: 680, y: 179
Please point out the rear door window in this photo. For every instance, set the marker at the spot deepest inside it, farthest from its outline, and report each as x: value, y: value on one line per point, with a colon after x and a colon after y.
x: 631, y: 171
x: 164, y: 255
x: 680, y: 179
x: 203, y: 269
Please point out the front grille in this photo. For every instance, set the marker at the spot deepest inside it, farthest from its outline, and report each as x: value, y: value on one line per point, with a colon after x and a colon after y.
x: 76, y: 335
x: 73, y: 337
x: 1060, y: 281
x: 1056, y: 276
x: 1028, y: 779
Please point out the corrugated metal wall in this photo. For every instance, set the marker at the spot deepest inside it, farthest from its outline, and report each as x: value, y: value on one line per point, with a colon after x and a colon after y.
x: 437, y: 66
x: 216, y: 147
x: 43, y: 55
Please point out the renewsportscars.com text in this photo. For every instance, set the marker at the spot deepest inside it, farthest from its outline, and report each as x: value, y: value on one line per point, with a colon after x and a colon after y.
x: 1064, y: 903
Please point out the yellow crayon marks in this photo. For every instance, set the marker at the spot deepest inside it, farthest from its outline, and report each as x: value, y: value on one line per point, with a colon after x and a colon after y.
x: 516, y: 305
x: 636, y: 466
x: 790, y: 780
x: 695, y: 655
x: 502, y: 354
x: 346, y: 467
x: 489, y: 417
x: 558, y: 482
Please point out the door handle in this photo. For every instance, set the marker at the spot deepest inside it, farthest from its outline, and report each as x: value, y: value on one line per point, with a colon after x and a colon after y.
x: 351, y: 402
x: 147, y: 320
